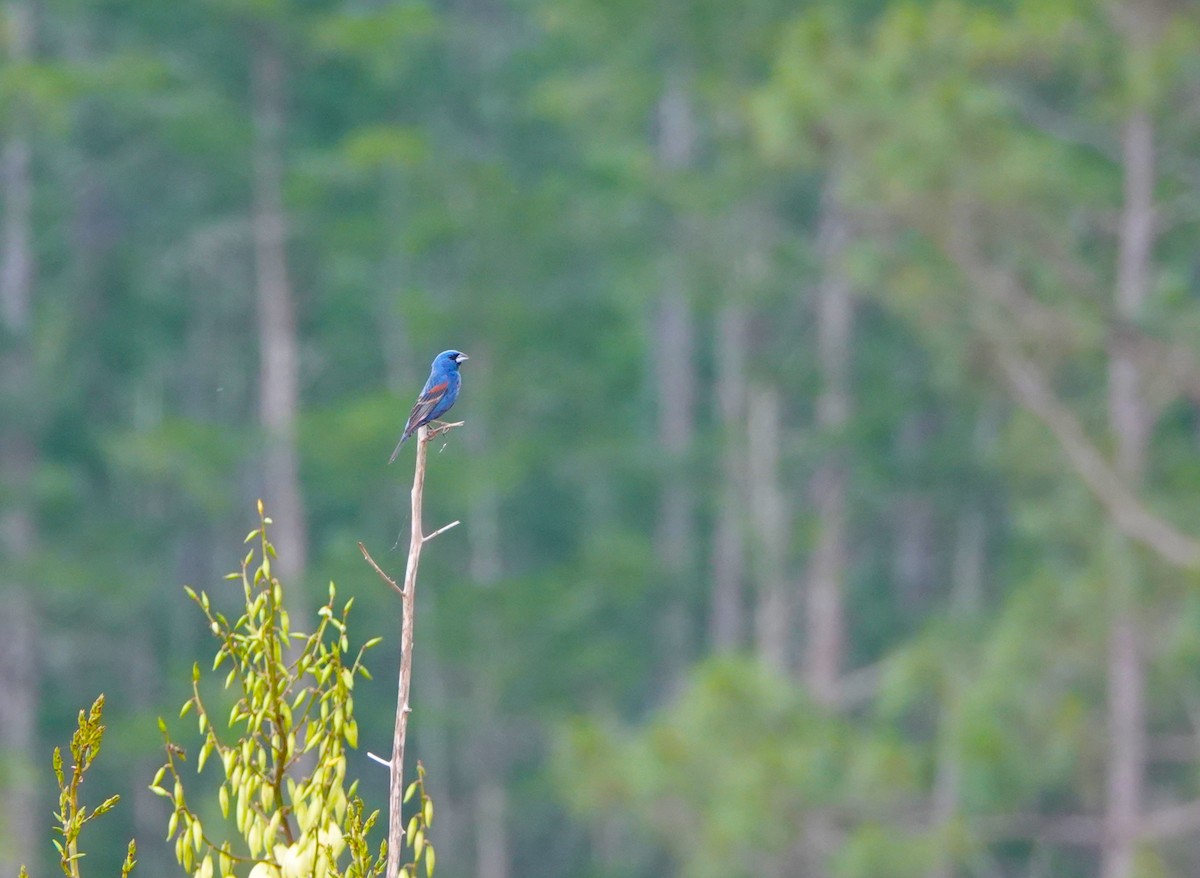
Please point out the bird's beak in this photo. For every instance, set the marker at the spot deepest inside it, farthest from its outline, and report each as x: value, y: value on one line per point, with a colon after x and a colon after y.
x: 461, y: 357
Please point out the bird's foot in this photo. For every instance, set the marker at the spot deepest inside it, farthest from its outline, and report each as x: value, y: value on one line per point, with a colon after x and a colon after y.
x: 437, y: 428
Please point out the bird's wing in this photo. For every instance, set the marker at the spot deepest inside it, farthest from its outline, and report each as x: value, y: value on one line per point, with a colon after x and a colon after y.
x: 422, y: 412
x: 426, y: 403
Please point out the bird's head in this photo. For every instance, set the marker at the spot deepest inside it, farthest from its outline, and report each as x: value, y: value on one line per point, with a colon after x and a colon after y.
x: 450, y: 358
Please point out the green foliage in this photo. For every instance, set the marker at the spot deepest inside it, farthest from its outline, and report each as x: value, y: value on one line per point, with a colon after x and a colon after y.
x: 416, y: 834
x: 876, y: 850
x: 283, y: 770
x: 71, y: 815
x: 725, y: 777
x: 489, y: 176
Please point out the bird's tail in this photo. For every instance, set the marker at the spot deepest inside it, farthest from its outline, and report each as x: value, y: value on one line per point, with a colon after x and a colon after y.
x: 403, y: 439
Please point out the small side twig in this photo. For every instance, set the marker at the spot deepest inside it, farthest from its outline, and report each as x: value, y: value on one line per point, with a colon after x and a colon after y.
x: 379, y: 569
x: 440, y: 530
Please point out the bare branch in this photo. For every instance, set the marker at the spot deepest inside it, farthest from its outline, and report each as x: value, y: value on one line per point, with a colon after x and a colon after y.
x: 400, y: 733
x: 1128, y: 512
x: 440, y: 530
x: 1015, y: 310
x: 379, y: 570
x: 1169, y: 821
x: 395, y: 833
x: 1081, y: 830
x: 376, y: 758
x: 1004, y: 296
x: 1173, y: 748
x: 1170, y: 369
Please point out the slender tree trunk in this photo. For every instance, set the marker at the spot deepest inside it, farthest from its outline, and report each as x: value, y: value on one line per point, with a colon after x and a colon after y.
x: 16, y: 267
x: 727, y: 621
x: 94, y: 235
x: 1127, y: 408
x: 970, y: 546
x: 279, y: 375
x: 1131, y: 426
x: 143, y: 684
x: 492, y: 848
x: 19, y: 809
x: 673, y: 360
x: 824, y: 614
x: 773, y: 611
x: 824, y: 617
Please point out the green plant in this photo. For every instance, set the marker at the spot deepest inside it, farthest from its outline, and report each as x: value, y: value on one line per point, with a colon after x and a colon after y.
x: 417, y: 832
x: 286, y: 808
x: 71, y: 815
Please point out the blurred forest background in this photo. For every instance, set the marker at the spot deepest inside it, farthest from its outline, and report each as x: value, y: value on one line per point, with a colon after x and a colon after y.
x: 830, y: 484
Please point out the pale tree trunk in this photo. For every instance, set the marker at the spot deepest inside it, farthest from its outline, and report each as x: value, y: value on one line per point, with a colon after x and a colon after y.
x: 824, y: 618
x: 1131, y: 426
x: 94, y: 236
x: 970, y: 547
x: 727, y: 621
x: 492, y: 848
x: 143, y: 669
x: 769, y: 521
x: 20, y: 820
x: 969, y: 563
x: 673, y: 361
x: 279, y: 375
x: 824, y: 615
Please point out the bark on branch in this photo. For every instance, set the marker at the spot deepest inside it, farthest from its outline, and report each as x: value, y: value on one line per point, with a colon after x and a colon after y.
x: 1171, y: 820
x: 1014, y: 312
x: 1085, y: 830
x: 408, y: 593
x: 1128, y: 512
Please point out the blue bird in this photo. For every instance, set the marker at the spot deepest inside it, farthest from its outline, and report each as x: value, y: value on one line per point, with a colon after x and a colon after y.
x: 438, y: 395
